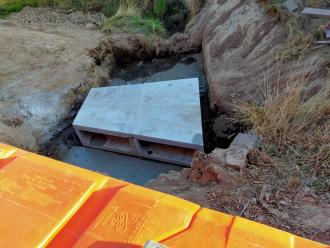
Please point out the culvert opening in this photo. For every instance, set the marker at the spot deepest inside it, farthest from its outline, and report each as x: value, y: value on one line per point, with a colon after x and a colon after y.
x: 98, y: 140
x: 210, y: 119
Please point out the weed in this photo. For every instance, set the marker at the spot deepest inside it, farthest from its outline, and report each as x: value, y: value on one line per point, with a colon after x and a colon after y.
x: 134, y: 24
x: 319, y: 185
x: 292, y: 120
x: 129, y: 19
x: 298, y: 41
x: 160, y: 8
x: 272, y: 150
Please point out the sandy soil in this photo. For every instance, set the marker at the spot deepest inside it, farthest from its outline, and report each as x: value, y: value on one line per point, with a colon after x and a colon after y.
x: 45, y: 70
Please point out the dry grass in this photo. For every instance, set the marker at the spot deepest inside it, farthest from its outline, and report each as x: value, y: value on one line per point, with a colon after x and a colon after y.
x: 298, y: 41
x: 128, y: 8
x: 294, y: 123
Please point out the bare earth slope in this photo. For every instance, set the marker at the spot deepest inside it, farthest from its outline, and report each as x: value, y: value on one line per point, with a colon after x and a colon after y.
x: 43, y: 72
x: 240, y: 42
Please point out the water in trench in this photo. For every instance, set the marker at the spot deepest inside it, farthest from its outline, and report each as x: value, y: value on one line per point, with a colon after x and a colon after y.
x: 134, y: 169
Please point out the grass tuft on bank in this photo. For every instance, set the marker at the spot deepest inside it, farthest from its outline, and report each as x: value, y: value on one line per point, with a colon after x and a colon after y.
x: 135, y: 17
x: 293, y: 121
x: 134, y: 24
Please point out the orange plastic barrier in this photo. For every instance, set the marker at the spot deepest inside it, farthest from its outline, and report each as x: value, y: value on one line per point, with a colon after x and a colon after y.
x: 45, y: 203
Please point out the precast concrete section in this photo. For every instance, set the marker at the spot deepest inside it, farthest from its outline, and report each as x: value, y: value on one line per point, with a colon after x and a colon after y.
x: 160, y: 120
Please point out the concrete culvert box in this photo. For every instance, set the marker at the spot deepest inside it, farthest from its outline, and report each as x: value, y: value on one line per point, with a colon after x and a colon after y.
x: 160, y: 121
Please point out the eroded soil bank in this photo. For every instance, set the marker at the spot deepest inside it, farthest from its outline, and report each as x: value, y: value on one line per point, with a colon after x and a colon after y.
x: 45, y: 70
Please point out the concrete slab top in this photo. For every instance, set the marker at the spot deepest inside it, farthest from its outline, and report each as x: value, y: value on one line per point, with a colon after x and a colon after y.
x: 168, y: 111
x: 317, y: 12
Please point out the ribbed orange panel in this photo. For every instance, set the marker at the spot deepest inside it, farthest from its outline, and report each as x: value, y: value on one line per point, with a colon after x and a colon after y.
x: 48, y: 203
x: 135, y: 215
x: 248, y: 234
x: 37, y: 198
x: 208, y: 229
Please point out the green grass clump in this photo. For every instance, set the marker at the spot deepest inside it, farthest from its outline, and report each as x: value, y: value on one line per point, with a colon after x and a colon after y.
x: 107, y: 7
x: 135, y: 24
x: 10, y: 6
x: 160, y: 8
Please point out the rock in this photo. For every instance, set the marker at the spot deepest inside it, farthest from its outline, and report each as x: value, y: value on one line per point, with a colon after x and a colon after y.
x: 248, y: 141
x: 209, y: 168
x: 290, y: 5
x: 219, y: 155
x: 236, y: 157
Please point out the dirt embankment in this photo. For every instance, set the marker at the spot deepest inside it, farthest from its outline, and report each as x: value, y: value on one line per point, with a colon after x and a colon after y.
x: 241, y: 41
x: 45, y: 69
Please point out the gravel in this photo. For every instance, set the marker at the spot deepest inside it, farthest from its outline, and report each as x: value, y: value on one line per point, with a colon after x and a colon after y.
x: 48, y: 17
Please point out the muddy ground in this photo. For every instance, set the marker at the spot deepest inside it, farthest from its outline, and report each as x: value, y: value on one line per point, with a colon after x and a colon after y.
x: 45, y: 70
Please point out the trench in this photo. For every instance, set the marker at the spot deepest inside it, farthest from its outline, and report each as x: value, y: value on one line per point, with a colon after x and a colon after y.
x: 67, y: 147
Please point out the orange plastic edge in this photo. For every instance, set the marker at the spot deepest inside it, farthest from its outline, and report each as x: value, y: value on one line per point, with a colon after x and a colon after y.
x: 53, y: 204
